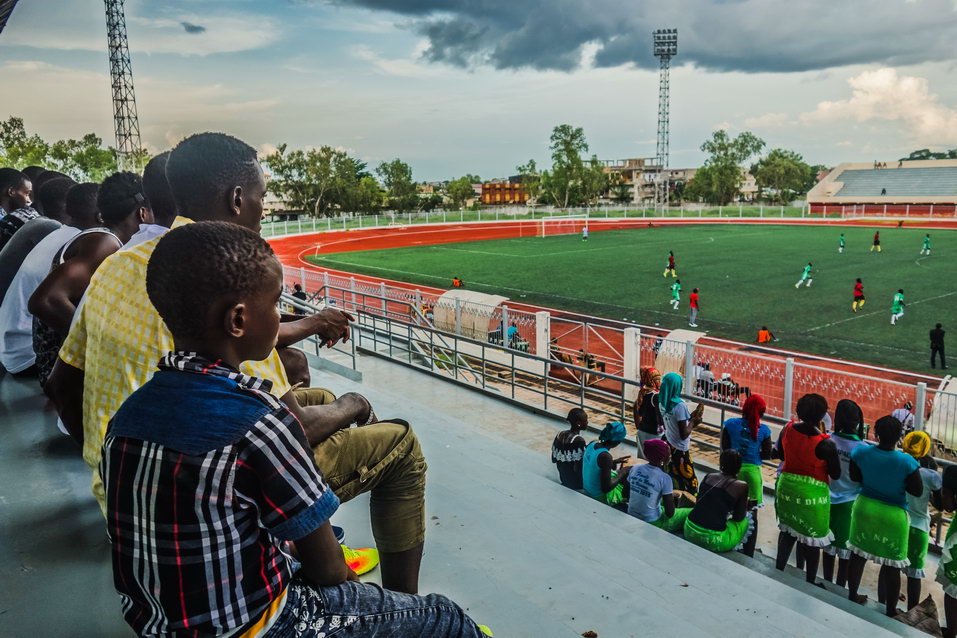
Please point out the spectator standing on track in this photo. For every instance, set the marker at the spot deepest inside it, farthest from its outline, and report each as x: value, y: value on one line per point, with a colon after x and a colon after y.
x: 937, y: 347
x: 568, y: 448
x: 877, y: 242
x: 694, y: 308
x: 585, y: 232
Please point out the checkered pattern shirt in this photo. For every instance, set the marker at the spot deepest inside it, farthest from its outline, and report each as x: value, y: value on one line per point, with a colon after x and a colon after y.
x: 206, y: 475
x: 117, y: 337
x: 12, y: 222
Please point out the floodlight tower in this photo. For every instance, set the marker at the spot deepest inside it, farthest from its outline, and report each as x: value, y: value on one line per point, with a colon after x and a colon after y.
x: 125, y: 122
x: 665, y: 47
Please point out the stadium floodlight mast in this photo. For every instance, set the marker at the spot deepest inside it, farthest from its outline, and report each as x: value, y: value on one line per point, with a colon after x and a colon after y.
x: 125, y: 121
x: 665, y: 47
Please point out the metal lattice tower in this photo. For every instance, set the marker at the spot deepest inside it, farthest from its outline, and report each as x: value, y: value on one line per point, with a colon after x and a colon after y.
x: 125, y: 122
x: 665, y: 47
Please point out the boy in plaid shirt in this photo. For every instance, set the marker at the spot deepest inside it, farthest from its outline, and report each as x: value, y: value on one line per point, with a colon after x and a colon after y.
x: 210, y: 480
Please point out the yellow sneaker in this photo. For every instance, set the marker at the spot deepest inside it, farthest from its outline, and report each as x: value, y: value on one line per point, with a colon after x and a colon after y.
x: 485, y: 630
x: 361, y: 561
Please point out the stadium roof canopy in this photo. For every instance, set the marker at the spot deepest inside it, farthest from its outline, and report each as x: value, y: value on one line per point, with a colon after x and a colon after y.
x: 6, y: 8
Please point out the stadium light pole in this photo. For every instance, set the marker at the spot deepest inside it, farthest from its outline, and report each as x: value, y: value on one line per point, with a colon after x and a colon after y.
x: 125, y: 120
x: 665, y: 47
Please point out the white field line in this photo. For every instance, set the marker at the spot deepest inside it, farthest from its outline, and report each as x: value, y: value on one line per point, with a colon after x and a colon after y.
x: 877, y: 312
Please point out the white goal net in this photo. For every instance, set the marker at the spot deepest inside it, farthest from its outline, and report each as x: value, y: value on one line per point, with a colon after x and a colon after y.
x: 561, y: 225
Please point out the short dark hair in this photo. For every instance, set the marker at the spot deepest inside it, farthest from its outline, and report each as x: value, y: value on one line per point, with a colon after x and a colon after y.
x: 900, y: 290
x: 859, y: 280
x: 203, y: 166
x: 938, y: 325
x: 575, y: 415
x: 11, y: 178
x: 52, y: 195
x: 81, y: 200
x: 197, y: 263
x: 695, y: 290
x: 811, y: 408
x: 121, y: 194
x: 888, y: 428
x: 157, y: 191
x: 730, y: 461
x: 45, y: 177
x: 33, y: 172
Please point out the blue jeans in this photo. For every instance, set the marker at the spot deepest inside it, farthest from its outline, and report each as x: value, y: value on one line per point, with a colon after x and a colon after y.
x: 365, y: 609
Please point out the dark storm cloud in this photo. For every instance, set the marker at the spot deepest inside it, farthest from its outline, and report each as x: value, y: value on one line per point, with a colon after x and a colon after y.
x: 722, y: 35
x: 189, y: 27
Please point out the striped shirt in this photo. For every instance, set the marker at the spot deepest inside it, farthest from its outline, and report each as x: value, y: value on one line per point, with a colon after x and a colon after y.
x: 206, y: 475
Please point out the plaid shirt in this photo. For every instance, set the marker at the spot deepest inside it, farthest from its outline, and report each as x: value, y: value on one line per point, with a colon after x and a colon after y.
x: 12, y: 222
x: 206, y: 474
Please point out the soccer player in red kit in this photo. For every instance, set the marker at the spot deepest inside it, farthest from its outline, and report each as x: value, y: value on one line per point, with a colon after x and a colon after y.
x: 877, y: 242
x: 671, y: 265
x: 858, y: 296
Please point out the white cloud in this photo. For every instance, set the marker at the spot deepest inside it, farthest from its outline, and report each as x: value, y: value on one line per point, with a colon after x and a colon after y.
x: 768, y: 120
x: 401, y: 67
x: 723, y: 126
x: 844, y: 143
x: 884, y: 95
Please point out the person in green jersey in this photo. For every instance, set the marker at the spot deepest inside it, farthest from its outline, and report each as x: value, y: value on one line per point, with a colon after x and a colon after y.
x: 840, y: 243
x: 897, y: 306
x: 676, y: 293
x: 805, y: 277
x: 926, y: 249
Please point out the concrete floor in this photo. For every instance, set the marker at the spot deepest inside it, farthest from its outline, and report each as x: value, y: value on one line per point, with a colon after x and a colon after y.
x: 523, y: 554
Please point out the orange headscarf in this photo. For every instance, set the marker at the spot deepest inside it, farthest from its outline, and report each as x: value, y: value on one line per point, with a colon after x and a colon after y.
x: 650, y: 381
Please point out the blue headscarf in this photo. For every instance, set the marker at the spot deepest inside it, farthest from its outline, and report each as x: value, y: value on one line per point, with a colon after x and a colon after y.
x: 614, y: 432
x: 670, y: 393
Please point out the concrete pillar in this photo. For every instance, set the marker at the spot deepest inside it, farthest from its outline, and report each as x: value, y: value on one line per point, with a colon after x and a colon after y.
x: 632, y: 361
x: 788, y: 387
x: 689, y: 366
x: 919, y: 405
x: 543, y: 332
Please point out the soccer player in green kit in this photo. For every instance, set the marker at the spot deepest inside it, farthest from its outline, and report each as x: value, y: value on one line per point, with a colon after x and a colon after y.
x: 805, y: 277
x: 897, y: 306
x: 840, y: 243
x: 926, y: 249
x: 675, y: 293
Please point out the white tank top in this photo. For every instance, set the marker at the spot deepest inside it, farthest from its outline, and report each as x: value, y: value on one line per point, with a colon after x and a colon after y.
x: 88, y: 231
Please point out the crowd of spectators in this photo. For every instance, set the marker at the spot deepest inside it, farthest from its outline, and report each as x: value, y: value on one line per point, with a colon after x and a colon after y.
x: 147, y: 308
x: 859, y: 501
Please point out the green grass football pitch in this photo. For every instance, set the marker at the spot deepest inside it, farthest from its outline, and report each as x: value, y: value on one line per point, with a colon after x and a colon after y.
x: 745, y: 273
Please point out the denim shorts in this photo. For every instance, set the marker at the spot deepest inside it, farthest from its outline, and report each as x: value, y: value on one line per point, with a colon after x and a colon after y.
x: 365, y: 609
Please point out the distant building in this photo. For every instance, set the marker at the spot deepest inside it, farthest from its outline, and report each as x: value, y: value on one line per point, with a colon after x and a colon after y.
x: 502, y: 192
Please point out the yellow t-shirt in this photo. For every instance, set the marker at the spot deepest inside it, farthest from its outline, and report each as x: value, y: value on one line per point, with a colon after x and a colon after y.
x: 117, y: 338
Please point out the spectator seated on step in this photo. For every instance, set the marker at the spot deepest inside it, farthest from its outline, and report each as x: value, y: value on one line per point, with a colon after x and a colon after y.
x: 600, y: 478
x: 248, y: 469
x: 651, y: 494
x: 721, y: 520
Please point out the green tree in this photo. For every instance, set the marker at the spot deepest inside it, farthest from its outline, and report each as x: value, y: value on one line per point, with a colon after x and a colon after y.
x: 621, y: 192
x: 719, y: 180
x: 306, y: 180
x: 400, y: 190
x: 85, y: 159
x: 563, y: 184
x: 782, y: 175
x: 531, y: 179
x: 595, y: 181
x: 368, y: 195
x: 20, y: 149
x: 460, y: 190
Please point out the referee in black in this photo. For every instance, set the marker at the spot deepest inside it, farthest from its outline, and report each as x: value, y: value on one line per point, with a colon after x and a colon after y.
x: 937, y: 346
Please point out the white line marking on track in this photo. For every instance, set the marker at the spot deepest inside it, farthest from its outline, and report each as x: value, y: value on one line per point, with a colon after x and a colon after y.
x: 877, y: 312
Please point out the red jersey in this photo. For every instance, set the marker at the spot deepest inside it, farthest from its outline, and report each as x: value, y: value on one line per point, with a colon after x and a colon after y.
x: 694, y: 300
x: 877, y: 237
x: 800, y: 454
x: 671, y: 261
x: 858, y: 290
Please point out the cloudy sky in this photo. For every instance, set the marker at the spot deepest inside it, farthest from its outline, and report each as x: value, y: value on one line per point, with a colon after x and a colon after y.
x: 456, y: 86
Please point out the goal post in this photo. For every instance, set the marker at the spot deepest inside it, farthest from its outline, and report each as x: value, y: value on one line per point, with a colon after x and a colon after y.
x: 560, y: 225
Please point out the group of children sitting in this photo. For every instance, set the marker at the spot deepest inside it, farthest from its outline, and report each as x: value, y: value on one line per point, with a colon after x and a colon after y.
x: 857, y: 500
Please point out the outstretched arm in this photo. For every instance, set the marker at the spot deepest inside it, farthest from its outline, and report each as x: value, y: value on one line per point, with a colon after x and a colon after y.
x: 330, y: 325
